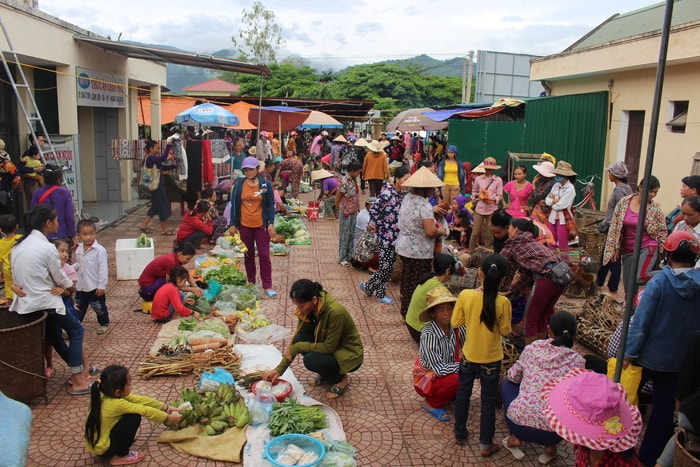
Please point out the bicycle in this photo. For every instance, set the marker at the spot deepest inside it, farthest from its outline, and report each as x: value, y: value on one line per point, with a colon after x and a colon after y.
x: 588, y: 192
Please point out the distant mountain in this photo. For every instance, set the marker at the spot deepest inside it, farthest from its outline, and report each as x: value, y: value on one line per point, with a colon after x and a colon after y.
x: 431, y: 66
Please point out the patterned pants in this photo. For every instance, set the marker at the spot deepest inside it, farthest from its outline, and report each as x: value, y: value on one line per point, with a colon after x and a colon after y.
x: 347, y: 233
x: 296, y: 169
x: 413, y: 271
x: 376, y: 285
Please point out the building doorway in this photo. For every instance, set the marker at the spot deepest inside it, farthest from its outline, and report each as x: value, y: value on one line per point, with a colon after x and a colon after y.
x: 633, y: 145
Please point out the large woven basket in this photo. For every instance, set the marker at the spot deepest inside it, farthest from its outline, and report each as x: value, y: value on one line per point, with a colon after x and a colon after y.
x: 22, y: 355
x: 585, y: 218
x: 592, y: 241
x: 470, y: 280
x: 681, y: 457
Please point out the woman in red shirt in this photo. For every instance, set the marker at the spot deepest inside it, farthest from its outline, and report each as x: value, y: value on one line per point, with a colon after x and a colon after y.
x: 156, y: 272
x: 196, y: 225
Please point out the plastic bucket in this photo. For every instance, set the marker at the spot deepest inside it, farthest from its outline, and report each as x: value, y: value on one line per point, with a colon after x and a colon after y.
x: 22, y: 355
x: 313, y: 210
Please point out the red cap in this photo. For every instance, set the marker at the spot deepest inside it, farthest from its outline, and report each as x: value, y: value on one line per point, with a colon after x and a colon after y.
x: 674, y: 240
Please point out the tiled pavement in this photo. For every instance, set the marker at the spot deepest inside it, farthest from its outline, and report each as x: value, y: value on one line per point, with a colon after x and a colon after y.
x: 381, y: 413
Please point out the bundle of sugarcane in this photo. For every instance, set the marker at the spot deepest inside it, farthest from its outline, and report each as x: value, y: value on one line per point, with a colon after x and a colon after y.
x: 186, y: 363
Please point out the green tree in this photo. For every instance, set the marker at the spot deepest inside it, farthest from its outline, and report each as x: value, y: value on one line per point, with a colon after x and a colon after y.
x: 260, y: 36
x: 286, y: 81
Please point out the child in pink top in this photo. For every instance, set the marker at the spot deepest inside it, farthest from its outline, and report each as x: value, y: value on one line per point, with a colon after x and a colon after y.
x: 169, y: 298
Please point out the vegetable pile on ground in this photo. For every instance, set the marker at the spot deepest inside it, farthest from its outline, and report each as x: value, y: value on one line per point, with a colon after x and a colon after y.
x: 215, y: 411
x: 226, y: 275
x: 292, y: 417
x: 292, y: 229
x: 186, y: 363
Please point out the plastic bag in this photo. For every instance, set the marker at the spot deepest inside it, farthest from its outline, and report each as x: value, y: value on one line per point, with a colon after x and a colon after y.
x: 338, y: 459
x: 223, y: 305
x: 209, y: 381
x: 261, y: 407
x: 264, y: 335
x: 212, y: 290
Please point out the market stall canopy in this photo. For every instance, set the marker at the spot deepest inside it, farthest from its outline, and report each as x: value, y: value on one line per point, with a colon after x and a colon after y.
x: 207, y: 113
x: 414, y: 120
x: 179, y: 57
x: 169, y: 107
x: 240, y: 109
x: 318, y: 120
x: 278, y: 118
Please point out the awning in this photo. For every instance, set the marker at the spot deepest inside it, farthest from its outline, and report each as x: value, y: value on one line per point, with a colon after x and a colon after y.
x: 169, y: 107
x: 678, y: 120
x: 143, y: 52
x: 442, y: 115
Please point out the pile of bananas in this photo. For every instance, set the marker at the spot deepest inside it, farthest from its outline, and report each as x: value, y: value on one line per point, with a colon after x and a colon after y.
x: 215, y: 411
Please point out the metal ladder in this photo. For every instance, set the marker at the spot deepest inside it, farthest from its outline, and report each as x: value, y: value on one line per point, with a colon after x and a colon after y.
x: 31, y: 115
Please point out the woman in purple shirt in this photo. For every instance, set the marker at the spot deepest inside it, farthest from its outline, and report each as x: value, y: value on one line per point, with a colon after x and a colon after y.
x: 59, y: 198
x: 159, y: 198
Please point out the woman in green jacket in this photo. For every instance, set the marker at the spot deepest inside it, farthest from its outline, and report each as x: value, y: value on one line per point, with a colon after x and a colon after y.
x: 326, y: 336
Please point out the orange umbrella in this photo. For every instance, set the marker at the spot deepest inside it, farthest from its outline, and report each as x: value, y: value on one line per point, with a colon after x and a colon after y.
x: 278, y: 118
x: 169, y: 107
x: 240, y: 109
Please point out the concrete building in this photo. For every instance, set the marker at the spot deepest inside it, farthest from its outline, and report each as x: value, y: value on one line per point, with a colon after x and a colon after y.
x: 620, y: 56
x: 86, y: 89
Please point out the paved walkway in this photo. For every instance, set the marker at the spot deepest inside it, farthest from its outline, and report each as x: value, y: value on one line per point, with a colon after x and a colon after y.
x: 381, y: 412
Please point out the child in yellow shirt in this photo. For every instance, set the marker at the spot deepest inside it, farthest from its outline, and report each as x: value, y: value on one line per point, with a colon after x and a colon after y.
x: 8, y: 226
x: 33, y: 161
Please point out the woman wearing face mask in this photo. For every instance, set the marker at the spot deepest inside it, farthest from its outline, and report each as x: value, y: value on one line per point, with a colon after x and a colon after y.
x: 623, y: 229
x: 560, y: 200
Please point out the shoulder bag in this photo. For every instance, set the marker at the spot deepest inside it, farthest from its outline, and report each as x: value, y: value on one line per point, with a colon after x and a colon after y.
x: 476, y: 201
x: 366, y: 246
x: 150, y: 177
x: 561, y: 274
x: 423, y: 378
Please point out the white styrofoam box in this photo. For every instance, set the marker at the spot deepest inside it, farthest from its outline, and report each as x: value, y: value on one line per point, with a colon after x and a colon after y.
x: 131, y: 261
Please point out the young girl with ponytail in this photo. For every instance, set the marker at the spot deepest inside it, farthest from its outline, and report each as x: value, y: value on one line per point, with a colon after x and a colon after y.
x: 486, y: 315
x: 115, y: 415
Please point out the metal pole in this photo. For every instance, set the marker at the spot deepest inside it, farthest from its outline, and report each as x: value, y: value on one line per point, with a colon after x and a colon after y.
x: 469, y: 77
x: 631, y: 282
x: 260, y: 103
x: 464, y: 80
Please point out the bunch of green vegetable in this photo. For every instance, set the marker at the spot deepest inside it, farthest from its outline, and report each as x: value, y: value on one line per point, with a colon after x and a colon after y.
x: 292, y: 417
x: 142, y: 241
x: 187, y: 324
x: 284, y: 228
x: 201, y: 306
x: 226, y: 274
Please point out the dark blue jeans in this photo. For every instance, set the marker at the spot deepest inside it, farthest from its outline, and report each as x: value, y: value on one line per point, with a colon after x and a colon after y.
x: 322, y: 363
x: 71, y: 353
x: 488, y: 375
x: 85, y: 299
x: 615, y: 270
x: 509, y: 391
x: 660, y: 425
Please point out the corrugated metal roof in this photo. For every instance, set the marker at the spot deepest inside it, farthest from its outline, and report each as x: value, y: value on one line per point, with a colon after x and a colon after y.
x: 636, y: 23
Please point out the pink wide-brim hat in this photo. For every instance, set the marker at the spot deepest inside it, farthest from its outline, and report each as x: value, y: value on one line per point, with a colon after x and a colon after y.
x: 589, y: 409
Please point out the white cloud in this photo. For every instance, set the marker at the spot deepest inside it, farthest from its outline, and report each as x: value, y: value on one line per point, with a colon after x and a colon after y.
x: 356, y: 32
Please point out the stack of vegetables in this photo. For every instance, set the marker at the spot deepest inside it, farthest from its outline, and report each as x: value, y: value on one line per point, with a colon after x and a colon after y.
x: 293, y: 229
x: 216, y: 411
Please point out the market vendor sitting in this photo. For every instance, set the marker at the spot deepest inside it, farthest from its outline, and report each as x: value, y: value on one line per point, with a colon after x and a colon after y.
x: 170, y: 298
x: 156, y: 273
x: 326, y: 336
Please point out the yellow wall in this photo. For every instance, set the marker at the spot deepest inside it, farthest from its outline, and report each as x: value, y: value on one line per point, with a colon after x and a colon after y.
x: 632, y: 88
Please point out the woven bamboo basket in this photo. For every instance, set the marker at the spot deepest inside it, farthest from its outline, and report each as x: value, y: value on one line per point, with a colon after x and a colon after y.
x: 470, y: 280
x: 681, y: 457
x: 597, y: 322
x: 22, y: 356
x: 585, y: 218
x: 592, y: 241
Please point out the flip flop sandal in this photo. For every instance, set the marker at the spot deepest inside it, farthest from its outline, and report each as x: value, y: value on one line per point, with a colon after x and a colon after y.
x: 336, y: 391
x: 49, y: 372
x: 438, y: 414
x: 271, y: 293
x: 317, y: 381
x: 387, y: 300
x: 545, y: 458
x: 81, y: 392
x: 132, y: 458
x: 93, y: 370
x: 514, y: 450
x: 363, y: 288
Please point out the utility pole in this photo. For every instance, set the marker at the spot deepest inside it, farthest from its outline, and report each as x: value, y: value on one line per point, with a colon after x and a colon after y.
x: 469, y: 78
x: 464, y: 80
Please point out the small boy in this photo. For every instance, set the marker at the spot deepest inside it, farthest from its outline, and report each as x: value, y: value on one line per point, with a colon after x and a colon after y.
x: 31, y: 161
x: 91, y: 265
x: 8, y: 226
x: 347, y: 205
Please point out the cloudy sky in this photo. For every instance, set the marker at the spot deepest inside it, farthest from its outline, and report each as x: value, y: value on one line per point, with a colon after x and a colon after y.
x: 338, y: 34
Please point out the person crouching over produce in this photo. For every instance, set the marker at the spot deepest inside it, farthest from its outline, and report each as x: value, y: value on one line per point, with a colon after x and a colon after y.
x: 115, y: 416
x: 170, y: 298
x: 326, y: 336
x: 155, y: 274
x: 196, y: 226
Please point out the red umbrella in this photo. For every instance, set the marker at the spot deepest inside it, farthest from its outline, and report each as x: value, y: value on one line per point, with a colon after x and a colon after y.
x: 278, y: 118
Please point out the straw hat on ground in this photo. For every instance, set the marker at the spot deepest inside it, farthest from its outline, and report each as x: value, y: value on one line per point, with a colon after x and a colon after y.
x: 564, y: 169
x: 423, y: 178
x: 320, y: 175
